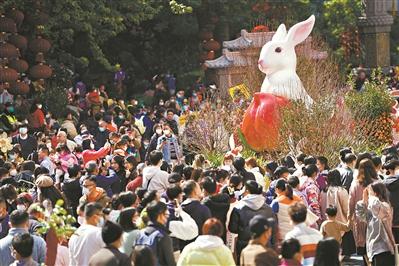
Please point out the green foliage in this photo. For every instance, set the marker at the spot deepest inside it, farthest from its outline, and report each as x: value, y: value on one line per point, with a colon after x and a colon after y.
x: 180, y: 8
x: 373, y: 101
x: 338, y: 17
x: 215, y: 158
x: 59, y: 220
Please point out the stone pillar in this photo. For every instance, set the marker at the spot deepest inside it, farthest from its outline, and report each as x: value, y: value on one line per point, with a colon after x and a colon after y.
x: 375, y: 28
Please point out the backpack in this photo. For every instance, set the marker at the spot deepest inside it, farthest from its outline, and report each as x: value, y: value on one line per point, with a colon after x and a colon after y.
x: 151, y: 241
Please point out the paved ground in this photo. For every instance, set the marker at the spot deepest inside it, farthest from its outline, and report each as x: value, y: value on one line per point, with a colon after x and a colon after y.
x: 353, y: 261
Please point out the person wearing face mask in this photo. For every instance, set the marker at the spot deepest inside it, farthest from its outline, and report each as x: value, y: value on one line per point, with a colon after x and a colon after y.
x: 169, y: 146
x: 36, y: 117
x: 8, y: 118
x: 92, y: 193
x: 87, y: 239
x: 253, y: 203
x: 156, y: 229
x: 127, y: 219
x: 27, y: 142
x: 90, y: 154
x: 110, y: 254
x: 101, y: 135
x: 19, y: 222
x: 153, y: 141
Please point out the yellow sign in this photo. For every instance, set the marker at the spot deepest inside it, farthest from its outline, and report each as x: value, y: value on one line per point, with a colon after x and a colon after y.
x: 239, y: 89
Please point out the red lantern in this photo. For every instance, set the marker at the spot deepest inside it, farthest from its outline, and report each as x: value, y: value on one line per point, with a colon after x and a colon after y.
x: 261, y: 123
x: 39, y: 45
x: 8, y: 74
x: 19, y: 41
x: 211, y: 45
x: 19, y: 87
x: 40, y: 71
x: 260, y: 28
x: 8, y: 50
x: 210, y: 55
x: 19, y: 65
x: 16, y: 15
x: 205, y: 35
x: 207, y: 56
x: 7, y: 25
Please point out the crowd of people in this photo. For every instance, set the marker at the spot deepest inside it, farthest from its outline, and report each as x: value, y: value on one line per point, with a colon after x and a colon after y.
x: 139, y: 198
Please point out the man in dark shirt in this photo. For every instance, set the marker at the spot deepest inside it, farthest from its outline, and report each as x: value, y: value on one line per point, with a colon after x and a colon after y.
x: 170, y: 120
x: 27, y: 142
x: 193, y: 206
x: 72, y: 188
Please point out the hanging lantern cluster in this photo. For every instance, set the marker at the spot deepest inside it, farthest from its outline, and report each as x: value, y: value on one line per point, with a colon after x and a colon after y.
x: 8, y: 52
x: 39, y: 46
x: 14, y: 45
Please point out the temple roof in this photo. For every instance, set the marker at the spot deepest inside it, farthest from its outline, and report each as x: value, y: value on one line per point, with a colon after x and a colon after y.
x: 228, y: 59
x: 239, y: 43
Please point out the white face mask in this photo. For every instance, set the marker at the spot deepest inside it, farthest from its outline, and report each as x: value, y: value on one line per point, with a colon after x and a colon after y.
x: 13, y: 172
x: 159, y: 131
x: 81, y: 220
x: 101, y: 222
x: 21, y: 207
x: 91, y: 145
x: 85, y: 191
x: 166, y: 132
x: 39, y: 106
x: 23, y: 130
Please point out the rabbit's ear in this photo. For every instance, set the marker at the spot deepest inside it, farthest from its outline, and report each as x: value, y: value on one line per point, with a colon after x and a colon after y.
x: 300, y: 31
x: 280, y: 34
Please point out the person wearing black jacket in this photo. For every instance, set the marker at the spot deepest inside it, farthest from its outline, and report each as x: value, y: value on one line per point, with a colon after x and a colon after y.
x: 152, y: 146
x: 27, y: 142
x: 253, y: 203
x: 156, y: 235
x: 239, y: 165
x: 72, y: 189
x: 193, y: 206
x: 392, y: 184
x: 218, y: 204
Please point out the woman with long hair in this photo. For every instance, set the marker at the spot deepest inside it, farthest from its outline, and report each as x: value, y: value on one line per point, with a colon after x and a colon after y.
x: 375, y: 210
x: 335, y: 194
x: 365, y: 176
x: 118, y: 165
x: 310, y: 189
x: 285, y: 198
x: 127, y: 219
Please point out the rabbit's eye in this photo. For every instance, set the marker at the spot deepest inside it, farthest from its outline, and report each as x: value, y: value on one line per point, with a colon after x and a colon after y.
x: 277, y: 50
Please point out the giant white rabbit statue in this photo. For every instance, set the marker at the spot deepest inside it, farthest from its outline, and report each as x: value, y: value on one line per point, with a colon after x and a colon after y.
x: 261, y: 123
x: 278, y: 61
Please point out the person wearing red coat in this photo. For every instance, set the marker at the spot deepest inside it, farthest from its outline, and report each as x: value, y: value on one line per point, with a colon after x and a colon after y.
x: 37, y: 120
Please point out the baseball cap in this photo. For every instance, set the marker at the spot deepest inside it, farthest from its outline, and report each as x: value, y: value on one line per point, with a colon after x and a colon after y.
x: 259, y: 224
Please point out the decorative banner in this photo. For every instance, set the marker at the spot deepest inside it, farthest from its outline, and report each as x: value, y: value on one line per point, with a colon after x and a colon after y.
x: 242, y: 88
